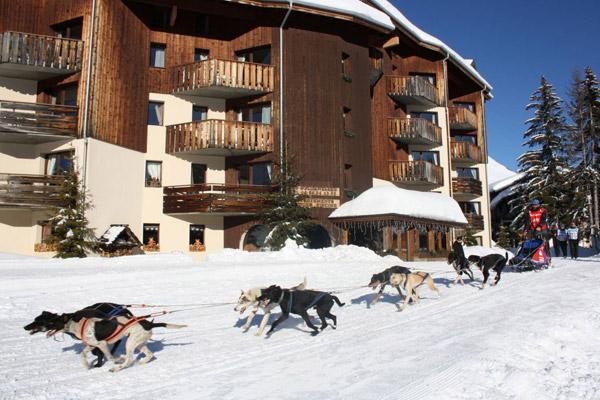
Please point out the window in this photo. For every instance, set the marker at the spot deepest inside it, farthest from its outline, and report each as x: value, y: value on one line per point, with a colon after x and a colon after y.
x: 346, y: 67
x: 468, y: 207
x: 70, y: 29
x: 153, y: 173
x: 243, y: 172
x: 198, y: 174
x: 155, y: 113
x: 472, y: 173
x: 431, y: 78
x: 201, y: 55
x: 59, y: 163
x: 376, y: 58
x: 260, y: 113
x: 261, y: 174
x: 347, y: 175
x: 479, y: 240
x: 157, y: 55
x: 197, y: 237
x: 423, y: 241
x: 46, y: 230
x: 151, y: 236
x: 468, y: 106
x: 260, y: 55
x: 199, y: 113
x: 202, y: 26
x: 429, y: 156
x: 429, y: 116
x: 465, y: 139
x: 64, y: 95
x: 346, y: 120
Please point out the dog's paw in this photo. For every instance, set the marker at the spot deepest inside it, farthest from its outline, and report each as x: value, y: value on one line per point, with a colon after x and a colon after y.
x: 119, y: 360
x: 115, y: 369
x: 314, y: 333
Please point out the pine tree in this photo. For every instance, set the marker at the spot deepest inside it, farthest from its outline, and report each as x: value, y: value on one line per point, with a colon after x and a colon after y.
x: 504, y: 237
x: 469, y: 237
x: 286, y: 217
x: 544, y: 165
x: 70, y: 232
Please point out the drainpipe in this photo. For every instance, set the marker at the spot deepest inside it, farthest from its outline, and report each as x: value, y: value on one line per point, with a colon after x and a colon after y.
x: 87, y: 95
x: 485, y: 163
x: 281, y: 147
x: 446, y: 94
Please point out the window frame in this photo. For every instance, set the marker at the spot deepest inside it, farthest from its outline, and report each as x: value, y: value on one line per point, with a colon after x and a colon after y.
x: 468, y: 168
x: 157, y: 238
x: 161, y: 117
x: 418, y: 114
x: 146, y: 175
x: 436, y: 153
x: 249, y: 55
x: 154, y: 46
x: 428, y: 76
x: 251, y: 108
x: 205, y: 167
x: 469, y: 105
x: 70, y: 155
x: 202, y: 228
x: 195, y: 108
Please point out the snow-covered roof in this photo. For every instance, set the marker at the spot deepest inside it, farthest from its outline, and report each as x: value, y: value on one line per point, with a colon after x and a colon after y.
x: 385, y: 18
x: 112, y: 233
x: 500, y: 177
x: 392, y: 200
x: 431, y: 40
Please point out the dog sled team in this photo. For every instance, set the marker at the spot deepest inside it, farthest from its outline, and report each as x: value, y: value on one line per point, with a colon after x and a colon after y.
x: 102, y: 326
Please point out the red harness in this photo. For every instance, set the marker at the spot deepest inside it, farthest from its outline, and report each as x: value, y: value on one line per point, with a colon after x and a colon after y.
x: 117, y: 332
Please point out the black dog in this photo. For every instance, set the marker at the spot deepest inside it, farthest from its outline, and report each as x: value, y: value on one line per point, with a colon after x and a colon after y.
x: 494, y: 262
x: 299, y: 302
x: 460, y: 265
x: 50, y: 322
x: 382, y: 279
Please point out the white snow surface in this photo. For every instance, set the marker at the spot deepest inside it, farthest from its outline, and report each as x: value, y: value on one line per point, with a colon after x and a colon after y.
x: 534, y: 336
x: 390, y: 199
x: 500, y: 177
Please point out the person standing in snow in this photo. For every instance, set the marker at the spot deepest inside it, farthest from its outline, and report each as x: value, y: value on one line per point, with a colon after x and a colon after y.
x: 537, y: 224
x: 562, y: 238
x: 573, y: 233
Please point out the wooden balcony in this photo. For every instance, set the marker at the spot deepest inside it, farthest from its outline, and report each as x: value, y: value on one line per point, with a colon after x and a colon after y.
x: 414, y: 131
x: 38, y: 57
x: 412, y: 90
x: 416, y: 172
x: 475, y: 221
x: 223, y: 79
x: 219, y: 137
x: 29, y: 191
x: 467, y: 187
x: 216, y: 199
x: 466, y: 152
x: 36, y: 123
x: 462, y: 119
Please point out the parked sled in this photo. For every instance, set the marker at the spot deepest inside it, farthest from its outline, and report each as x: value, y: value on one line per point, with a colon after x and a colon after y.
x: 531, y: 256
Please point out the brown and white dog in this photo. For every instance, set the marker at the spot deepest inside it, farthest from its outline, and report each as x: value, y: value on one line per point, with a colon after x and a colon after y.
x: 100, y: 332
x: 410, y: 283
x: 250, y: 298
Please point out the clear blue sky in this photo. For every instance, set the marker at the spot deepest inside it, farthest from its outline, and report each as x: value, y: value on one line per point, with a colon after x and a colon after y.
x: 514, y: 42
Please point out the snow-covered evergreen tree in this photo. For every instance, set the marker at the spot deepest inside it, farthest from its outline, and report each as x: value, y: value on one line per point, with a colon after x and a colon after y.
x: 544, y: 165
x: 504, y: 239
x: 285, y: 215
x: 70, y: 231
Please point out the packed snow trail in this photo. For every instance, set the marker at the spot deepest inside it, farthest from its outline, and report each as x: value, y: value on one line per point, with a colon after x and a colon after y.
x: 532, y: 337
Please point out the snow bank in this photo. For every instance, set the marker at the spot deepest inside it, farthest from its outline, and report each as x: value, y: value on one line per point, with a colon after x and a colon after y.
x: 500, y: 177
x: 294, y: 253
x: 385, y: 200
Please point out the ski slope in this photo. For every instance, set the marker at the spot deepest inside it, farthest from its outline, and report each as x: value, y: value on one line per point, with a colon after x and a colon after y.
x: 535, y: 336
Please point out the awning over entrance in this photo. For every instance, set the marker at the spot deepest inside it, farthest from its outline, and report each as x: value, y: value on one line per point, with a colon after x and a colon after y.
x: 401, y: 208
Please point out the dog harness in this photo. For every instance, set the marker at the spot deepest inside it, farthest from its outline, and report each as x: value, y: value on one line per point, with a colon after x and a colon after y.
x: 316, y: 300
x: 82, y: 326
x: 122, y: 328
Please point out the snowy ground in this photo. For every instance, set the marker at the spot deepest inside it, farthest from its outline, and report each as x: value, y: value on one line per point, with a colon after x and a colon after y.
x: 535, y: 336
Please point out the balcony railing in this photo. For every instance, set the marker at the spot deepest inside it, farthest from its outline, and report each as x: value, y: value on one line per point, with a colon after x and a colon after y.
x: 30, y: 191
x: 462, y: 119
x: 219, y: 137
x: 466, y: 152
x: 36, y: 123
x: 414, y: 131
x: 475, y: 221
x: 412, y: 90
x: 220, y: 199
x: 223, y: 79
x: 31, y: 56
x: 467, y: 186
x: 416, y: 172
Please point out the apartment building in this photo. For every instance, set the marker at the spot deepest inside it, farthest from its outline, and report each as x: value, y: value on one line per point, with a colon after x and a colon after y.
x: 175, y: 113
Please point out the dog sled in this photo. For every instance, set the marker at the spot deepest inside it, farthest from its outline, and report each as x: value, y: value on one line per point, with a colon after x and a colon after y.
x: 531, y: 256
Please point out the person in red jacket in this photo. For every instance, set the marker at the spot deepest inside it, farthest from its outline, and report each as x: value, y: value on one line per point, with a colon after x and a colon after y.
x: 537, y: 223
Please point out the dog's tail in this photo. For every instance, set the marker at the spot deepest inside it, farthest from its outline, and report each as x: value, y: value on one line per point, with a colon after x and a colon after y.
x: 339, y: 303
x: 430, y: 284
x: 165, y: 325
